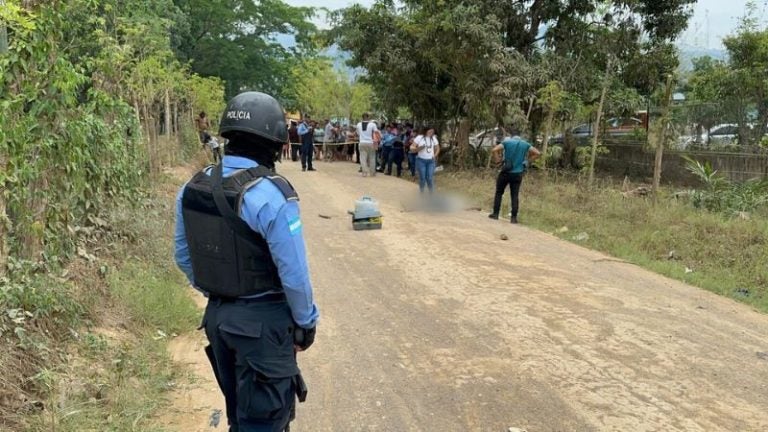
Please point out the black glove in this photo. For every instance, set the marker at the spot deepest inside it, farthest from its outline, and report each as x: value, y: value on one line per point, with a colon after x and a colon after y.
x: 304, y: 338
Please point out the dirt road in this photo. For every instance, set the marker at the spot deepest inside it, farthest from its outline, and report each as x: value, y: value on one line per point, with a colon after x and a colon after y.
x: 435, y: 324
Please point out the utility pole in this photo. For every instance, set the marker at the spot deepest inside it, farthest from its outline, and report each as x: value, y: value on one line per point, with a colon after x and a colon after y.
x: 662, y: 135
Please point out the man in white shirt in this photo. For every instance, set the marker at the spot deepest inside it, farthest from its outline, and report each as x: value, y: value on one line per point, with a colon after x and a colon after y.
x: 365, y: 132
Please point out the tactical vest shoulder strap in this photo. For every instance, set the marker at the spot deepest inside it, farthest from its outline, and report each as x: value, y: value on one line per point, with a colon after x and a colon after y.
x: 286, y: 188
x: 252, y: 176
x: 232, y: 218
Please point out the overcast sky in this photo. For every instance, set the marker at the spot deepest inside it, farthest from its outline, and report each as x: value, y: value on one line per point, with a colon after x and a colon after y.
x: 712, y: 19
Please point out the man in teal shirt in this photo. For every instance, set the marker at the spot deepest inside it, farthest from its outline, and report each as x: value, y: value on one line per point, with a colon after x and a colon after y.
x: 517, y: 154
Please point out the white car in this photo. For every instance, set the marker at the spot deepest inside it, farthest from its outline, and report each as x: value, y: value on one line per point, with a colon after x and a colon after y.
x: 723, y: 134
x: 487, y: 138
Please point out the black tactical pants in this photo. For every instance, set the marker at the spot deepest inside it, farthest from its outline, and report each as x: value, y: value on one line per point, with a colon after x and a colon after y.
x: 251, y: 351
x: 307, y: 152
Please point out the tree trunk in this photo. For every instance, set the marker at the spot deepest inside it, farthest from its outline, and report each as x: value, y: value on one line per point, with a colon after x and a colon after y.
x: 147, y: 134
x: 462, y: 140
x: 662, y: 135
x: 530, y: 109
x: 596, y: 139
x: 167, y: 113
x: 171, y: 146
x: 154, y: 120
x: 547, y: 132
x: 175, y: 118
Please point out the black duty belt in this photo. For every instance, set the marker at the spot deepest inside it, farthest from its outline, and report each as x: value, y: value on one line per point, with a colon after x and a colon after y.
x: 266, y: 298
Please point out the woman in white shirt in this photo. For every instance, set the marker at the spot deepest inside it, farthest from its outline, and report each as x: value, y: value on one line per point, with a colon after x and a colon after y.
x: 427, y: 148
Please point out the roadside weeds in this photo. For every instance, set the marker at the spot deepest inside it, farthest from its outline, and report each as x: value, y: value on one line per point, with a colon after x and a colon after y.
x: 112, y: 371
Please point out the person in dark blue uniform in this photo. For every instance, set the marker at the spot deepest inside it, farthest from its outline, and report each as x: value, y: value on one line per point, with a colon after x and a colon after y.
x: 307, y: 134
x: 239, y: 240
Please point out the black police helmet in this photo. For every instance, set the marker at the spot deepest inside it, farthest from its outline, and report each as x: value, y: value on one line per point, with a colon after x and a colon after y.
x: 254, y: 113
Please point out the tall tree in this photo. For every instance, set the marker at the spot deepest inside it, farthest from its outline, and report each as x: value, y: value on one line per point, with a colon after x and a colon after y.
x: 483, y: 60
x: 748, y: 59
x: 244, y: 42
x: 320, y: 90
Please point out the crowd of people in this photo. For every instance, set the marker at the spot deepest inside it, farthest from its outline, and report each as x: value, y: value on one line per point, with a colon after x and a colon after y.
x: 390, y: 149
x: 380, y: 148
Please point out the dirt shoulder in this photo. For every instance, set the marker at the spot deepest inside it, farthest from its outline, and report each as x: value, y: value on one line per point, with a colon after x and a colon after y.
x: 435, y: 324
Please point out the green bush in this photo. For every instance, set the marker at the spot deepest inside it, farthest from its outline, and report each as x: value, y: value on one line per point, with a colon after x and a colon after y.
x: 721, y: 195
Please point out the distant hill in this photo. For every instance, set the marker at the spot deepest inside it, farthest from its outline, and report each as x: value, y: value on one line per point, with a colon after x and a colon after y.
x: 338, y: 56
x: 687, y: 54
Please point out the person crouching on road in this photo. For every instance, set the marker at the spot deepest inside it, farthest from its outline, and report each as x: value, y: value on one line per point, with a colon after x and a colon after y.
x: 517, y: 154
x: 427, y: 148
x: 239, y: 240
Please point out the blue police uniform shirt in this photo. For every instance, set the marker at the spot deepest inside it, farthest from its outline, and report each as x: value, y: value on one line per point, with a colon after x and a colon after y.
x: 267, y: 212
x: 516, y: 152
x: 388, y: 140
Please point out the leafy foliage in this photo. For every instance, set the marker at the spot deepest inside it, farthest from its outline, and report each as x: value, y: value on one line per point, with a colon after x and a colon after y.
x: 316, y: 88
x: 236, y: 40
x: 736, y: 90
x: 92, y: 100
x: 721, y: 195
x: 485, y: 63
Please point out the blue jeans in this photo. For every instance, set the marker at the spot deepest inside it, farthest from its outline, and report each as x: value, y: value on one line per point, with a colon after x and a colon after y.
x: 426, y: 168
x: 412, y: 164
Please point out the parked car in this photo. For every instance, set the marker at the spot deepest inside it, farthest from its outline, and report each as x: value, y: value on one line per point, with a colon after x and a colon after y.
x: 614, y: 127
x: 723, y: 134
x: 487, y: 138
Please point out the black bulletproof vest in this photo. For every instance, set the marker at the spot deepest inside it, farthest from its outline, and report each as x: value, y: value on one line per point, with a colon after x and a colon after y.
x: 229, y: 259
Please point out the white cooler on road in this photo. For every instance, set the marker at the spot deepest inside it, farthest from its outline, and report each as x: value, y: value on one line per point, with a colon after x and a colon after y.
x: 367, y: 215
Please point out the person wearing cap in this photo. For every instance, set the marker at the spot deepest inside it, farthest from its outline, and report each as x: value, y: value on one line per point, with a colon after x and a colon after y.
x: 239, y: 240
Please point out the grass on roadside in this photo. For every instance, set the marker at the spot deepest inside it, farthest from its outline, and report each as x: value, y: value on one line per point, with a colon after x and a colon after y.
x: 116, y: 369
x: 721, y: 253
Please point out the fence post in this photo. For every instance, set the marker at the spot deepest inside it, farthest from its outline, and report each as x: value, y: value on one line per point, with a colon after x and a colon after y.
x: 662, y: 135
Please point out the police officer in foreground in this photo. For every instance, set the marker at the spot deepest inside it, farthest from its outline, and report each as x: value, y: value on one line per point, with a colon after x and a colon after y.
x: 239, y: 240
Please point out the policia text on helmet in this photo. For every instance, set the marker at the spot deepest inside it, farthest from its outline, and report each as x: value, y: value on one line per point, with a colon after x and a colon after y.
x: 239, y: 239
x: 254, y: 124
